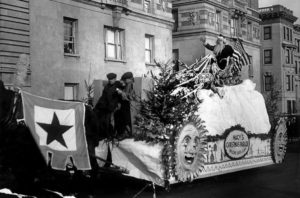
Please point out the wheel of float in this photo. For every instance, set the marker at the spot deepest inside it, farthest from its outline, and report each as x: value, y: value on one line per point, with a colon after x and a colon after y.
x: 279, y: 142
x: 190, y: 150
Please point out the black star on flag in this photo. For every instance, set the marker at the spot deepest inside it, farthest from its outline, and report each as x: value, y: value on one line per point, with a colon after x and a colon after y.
x: 55, y: 130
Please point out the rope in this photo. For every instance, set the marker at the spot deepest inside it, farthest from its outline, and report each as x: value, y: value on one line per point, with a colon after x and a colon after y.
x: 140, y: 192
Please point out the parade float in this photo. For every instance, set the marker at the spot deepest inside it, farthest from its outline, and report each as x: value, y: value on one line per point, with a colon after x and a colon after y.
x: 196, y: 124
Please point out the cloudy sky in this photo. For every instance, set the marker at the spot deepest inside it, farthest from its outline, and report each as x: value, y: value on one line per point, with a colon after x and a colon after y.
x: 290, y: 4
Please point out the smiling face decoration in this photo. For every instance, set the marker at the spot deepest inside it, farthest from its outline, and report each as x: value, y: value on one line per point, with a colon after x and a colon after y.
x: 190, y: 153
x: 189, y: 145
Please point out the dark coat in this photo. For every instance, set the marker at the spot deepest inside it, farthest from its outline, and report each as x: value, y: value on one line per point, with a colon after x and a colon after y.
x: 105, y: 107
x: 109, y: 98
x: 6, y: 103
x: 221, y: 58
x: 123, y: 116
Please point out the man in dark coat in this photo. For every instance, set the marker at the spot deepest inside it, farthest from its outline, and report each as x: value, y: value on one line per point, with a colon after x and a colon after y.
x: 221, y: 50
x: 6, y: 104
x: 106, y: 106
x: 123, y: 116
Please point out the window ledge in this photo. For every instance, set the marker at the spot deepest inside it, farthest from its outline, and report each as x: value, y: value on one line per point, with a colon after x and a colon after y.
x: 150, y: 64
x: 72, y: 55
x: 288, y: 65
x: 114, y: 60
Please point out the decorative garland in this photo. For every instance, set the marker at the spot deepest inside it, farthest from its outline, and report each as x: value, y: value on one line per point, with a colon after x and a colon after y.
x: 279, y: 141
x: 262, y: 136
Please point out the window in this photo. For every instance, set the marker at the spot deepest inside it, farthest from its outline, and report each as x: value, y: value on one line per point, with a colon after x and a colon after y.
x: 298, y: 45
x: 70, y: 36
x: 296, y: 67
x: 249, y: 31
x: 147, y: 6
x: 287, y: 34
x: 267, y: 33
x: 218, y: 21
x: 175, y: 55
x: 288, y: 82
x: 291, y: 106
x: 114, y: 43
x: 287, y: 56
x: 250, y: 71
x: 149, y: 40
x: 268, y: 56
x: 256, y: 33
x: 294, y: 106
x: 292, y: 81
x: 175, y: 17
x: 268, y: 82
x: 234, y: 27
x: 289, y: 59
x: 211, y: 18
x: 70, y: 91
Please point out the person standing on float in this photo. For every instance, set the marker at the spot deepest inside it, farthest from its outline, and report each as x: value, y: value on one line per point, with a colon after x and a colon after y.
x: 123, y: 116
x: 106, y: 107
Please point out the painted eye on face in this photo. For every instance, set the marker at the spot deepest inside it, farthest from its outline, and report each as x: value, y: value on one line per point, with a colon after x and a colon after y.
x: 186, y: 140
x: 196, y: 142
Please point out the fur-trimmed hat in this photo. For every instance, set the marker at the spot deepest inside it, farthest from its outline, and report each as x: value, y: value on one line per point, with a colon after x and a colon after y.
x: 222, y: 38
x: 127, y: 75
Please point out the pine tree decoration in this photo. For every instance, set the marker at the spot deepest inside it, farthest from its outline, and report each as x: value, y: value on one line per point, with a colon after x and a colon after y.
x: 163, y: 111
x: 272, y: 98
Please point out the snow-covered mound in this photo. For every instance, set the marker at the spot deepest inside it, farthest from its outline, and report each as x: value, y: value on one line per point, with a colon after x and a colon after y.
x: 241, y: 105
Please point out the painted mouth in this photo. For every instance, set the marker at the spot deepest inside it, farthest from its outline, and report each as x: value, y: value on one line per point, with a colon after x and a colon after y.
x: 189, y: 158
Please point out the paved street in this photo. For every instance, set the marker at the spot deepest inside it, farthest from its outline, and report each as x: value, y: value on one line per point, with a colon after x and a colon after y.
x: 277, y: 181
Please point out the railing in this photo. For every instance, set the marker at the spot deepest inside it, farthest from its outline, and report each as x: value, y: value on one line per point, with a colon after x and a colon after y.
x: 275, y: 8
x: 238, y: 4
x: 266, y: 9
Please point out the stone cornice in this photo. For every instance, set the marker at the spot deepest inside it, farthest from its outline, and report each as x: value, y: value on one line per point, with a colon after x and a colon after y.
x: 289, y: 45
x: 129, y: 11
x: 192, y: 2
x: 103, y: 3
x: 258, y: 20
x: 202, y: 32
x: 154, y: 18
x: 219, y: 5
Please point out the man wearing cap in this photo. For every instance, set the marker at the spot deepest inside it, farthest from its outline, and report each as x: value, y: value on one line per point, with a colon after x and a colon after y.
x: 221, y: 50
x: 123, y: 116
x: 107, y: 105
